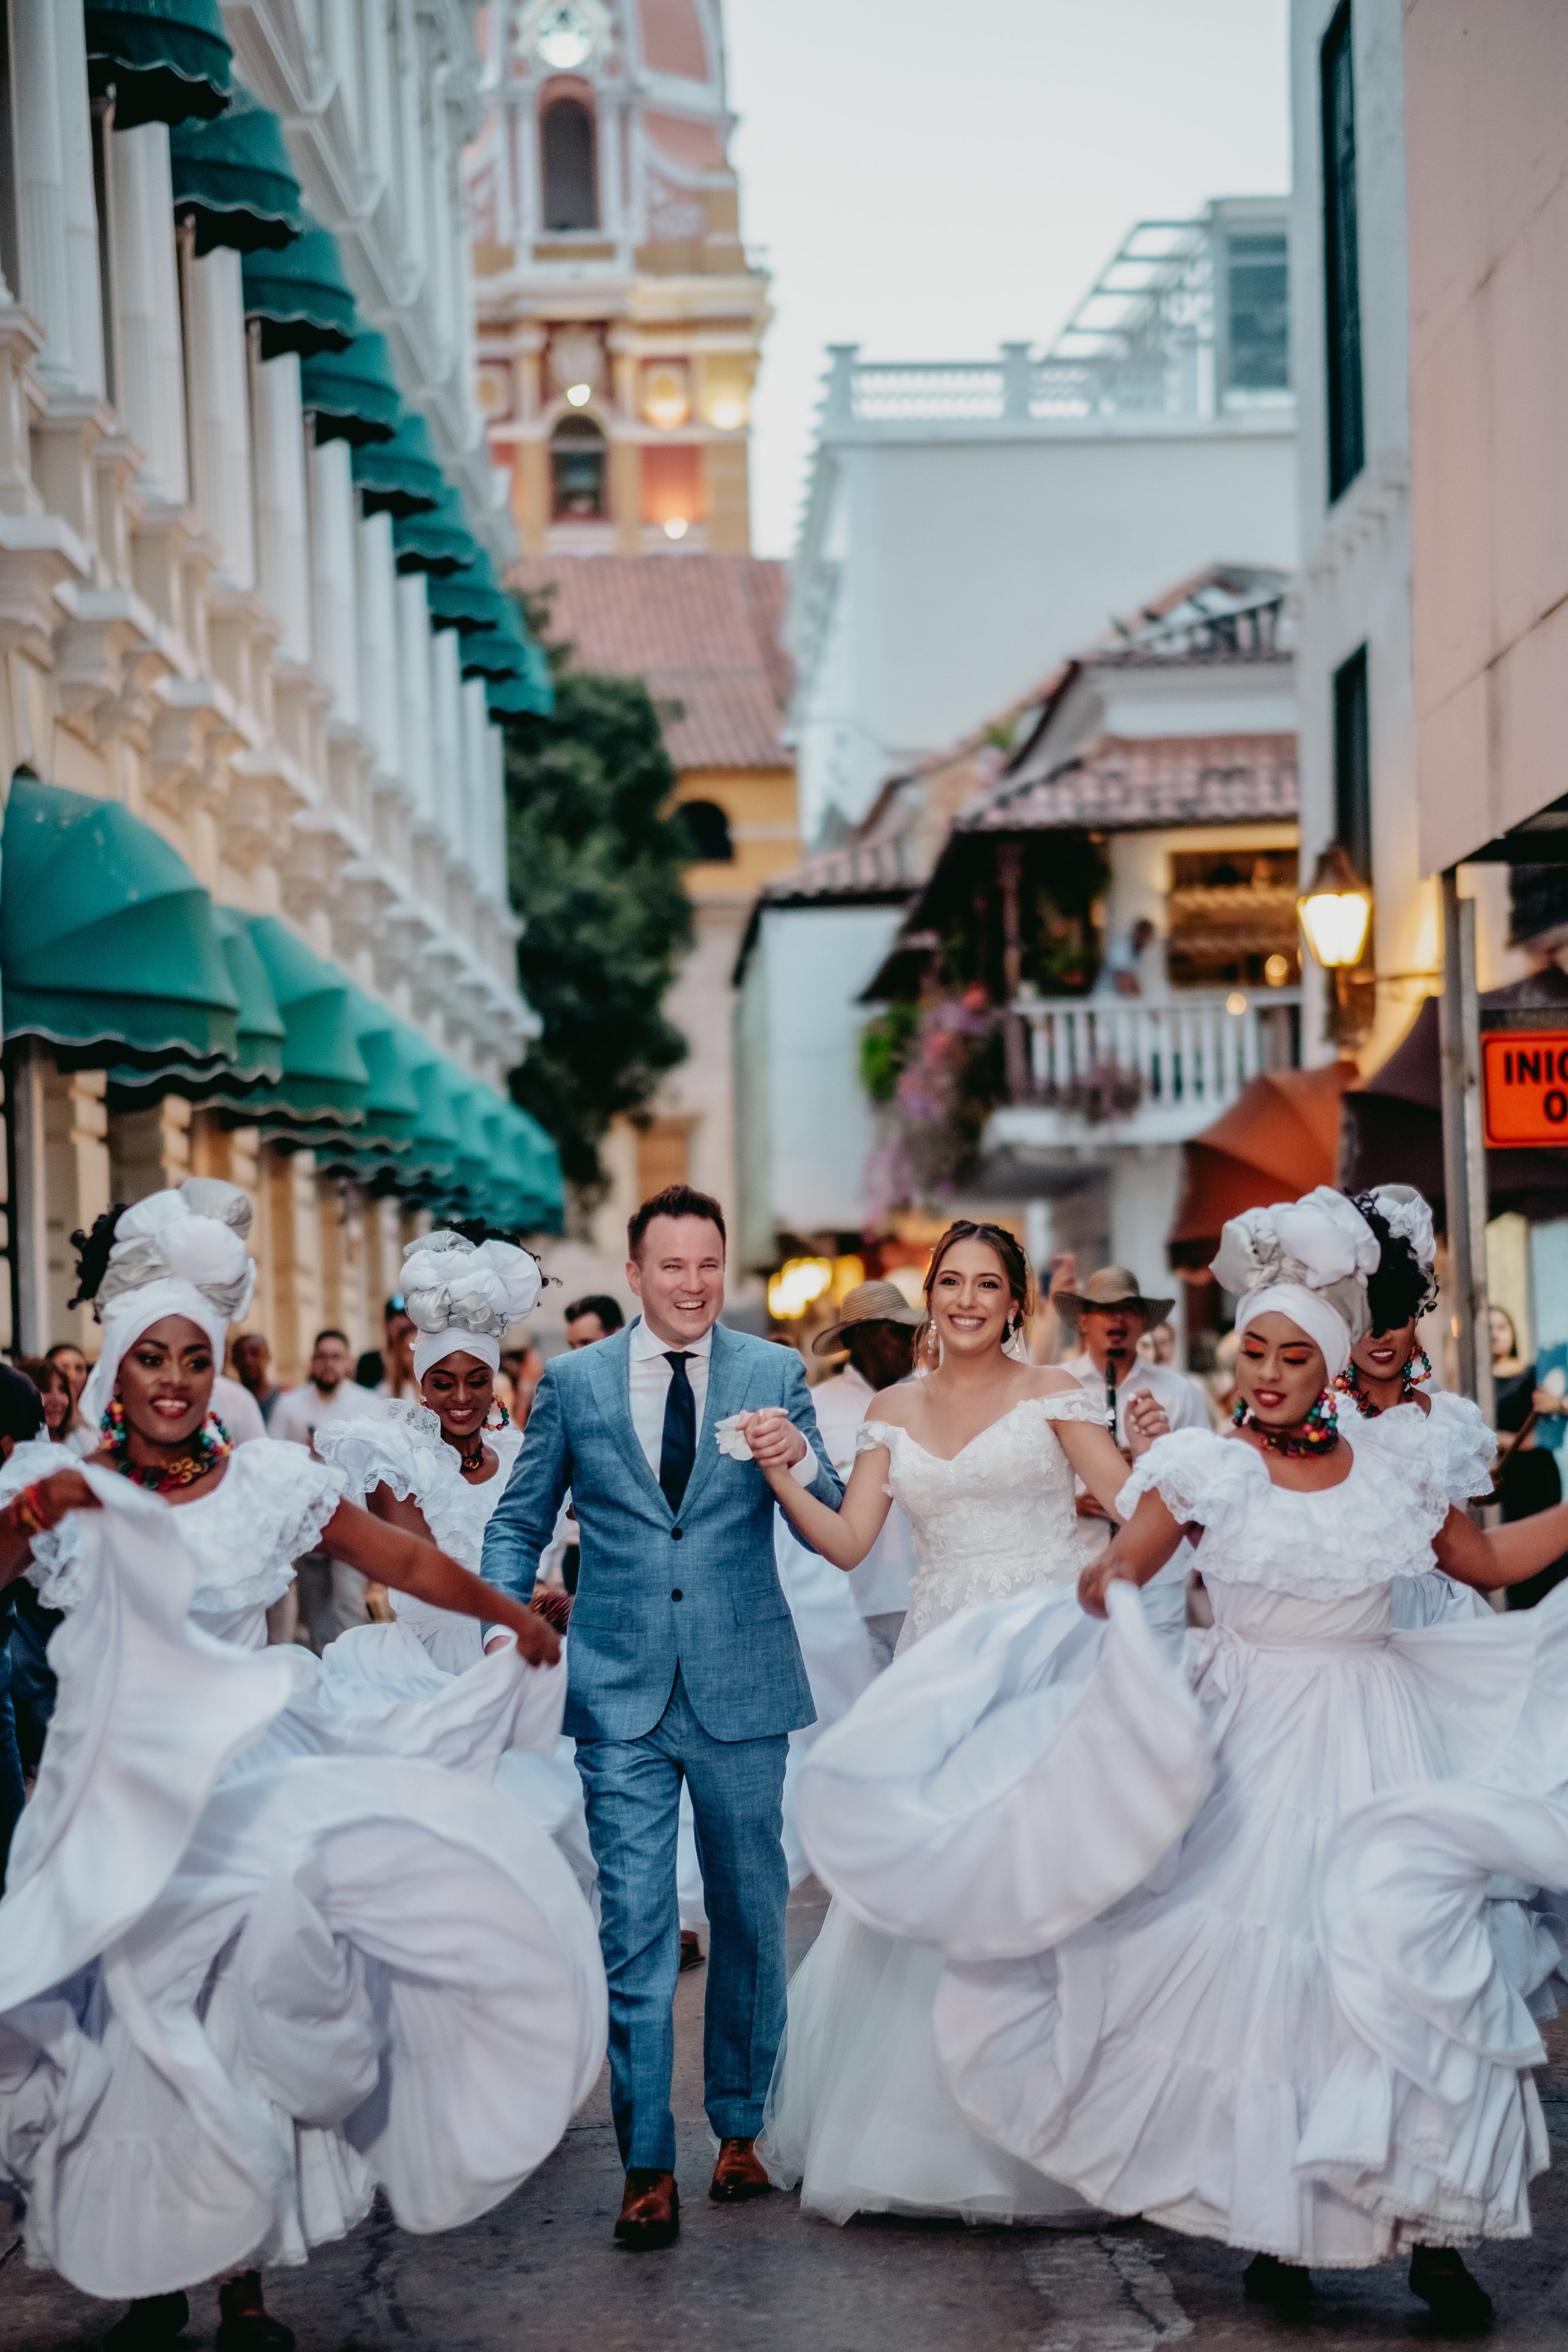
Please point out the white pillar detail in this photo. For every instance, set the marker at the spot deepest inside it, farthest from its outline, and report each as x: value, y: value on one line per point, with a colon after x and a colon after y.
x: 332, y: 596
x: 476, y: 788
x: 80, y: 203
x: 447, y: 714
x: 40, y: 178
x: 282, y: 509
x: 220, y: 414
x: 378, y: 640
x: 152, y: 389
x: 414, y: 683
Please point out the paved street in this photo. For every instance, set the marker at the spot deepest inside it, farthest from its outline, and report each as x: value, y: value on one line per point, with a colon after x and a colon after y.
x: 543, y: 2275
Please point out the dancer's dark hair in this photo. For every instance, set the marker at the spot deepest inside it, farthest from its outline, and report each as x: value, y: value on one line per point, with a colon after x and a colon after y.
x: 475, y: 1230
x: 1401, y: 1290
x: 92, y: 1249
x: 1015, y: 1265
x: 21, y: 1406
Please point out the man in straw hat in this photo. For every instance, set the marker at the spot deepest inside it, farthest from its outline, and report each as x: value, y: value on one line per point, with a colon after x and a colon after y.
x: 1111, y: 1314
x: 876, y: 1330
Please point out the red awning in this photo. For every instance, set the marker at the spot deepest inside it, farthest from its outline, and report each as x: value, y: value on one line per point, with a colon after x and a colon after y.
x: 1279, y: 1138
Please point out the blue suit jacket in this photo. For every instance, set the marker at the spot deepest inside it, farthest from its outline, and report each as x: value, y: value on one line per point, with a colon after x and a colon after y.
x: 657, y: 1589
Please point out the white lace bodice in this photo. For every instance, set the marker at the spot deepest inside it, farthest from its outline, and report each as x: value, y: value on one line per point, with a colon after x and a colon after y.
x: 1374, y: 1529
x: 996, y: 1518
x: 269, y: 1507
x: 401, y: 1447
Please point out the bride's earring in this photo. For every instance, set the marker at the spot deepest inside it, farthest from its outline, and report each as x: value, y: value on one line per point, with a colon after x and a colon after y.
x: 1012, y: 1345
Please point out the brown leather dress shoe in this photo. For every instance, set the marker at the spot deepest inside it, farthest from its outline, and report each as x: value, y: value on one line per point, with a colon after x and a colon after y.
x: 738, y: 2173
x: 650, y: 2211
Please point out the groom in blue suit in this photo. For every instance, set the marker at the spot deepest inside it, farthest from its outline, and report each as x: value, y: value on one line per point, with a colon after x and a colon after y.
x: 683, y: 1664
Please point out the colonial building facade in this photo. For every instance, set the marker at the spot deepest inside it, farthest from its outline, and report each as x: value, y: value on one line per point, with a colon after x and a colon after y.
x: 253, y: 913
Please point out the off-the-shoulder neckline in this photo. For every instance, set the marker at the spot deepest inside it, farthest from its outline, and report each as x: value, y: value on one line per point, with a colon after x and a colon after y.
x: 1043, y: 1397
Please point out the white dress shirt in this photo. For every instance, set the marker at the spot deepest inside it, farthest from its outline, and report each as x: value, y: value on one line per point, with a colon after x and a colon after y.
x: 881, y: 1583
x: 649, y: 1378
x: 299, y: 1413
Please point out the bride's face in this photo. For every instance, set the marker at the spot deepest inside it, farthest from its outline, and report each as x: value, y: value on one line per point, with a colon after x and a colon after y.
x: 1279, y: 1372
x: 970, y: 1300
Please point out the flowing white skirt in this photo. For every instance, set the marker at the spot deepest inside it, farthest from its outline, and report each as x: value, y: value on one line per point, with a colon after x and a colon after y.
x: 1228, y: 1947
x: 260, y: 1956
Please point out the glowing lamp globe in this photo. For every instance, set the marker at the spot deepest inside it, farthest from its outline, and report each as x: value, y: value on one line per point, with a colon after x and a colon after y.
x: 1335, y: 912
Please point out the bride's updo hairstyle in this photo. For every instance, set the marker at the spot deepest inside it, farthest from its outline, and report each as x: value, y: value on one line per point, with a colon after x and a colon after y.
x: 1014, y: 1267
x: 1404, y: 1284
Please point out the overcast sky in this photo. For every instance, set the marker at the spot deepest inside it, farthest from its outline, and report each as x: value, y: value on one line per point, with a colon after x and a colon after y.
x: 929, y: 178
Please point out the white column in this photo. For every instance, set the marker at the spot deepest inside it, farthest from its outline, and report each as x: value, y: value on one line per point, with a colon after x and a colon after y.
x: 40, y: 179
x: 81, y: 201
x: 476, y: 830
x: 151, y: 387
x: 220, y: 414
x: 447, y: 729
x: 282, y: 509
x: 333, y: 598
x: 413, y: 697
x: 378, y: 640
x: 495, y: 802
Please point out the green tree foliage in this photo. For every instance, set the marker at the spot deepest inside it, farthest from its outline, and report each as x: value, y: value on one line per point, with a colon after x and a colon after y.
x: 594, y: 872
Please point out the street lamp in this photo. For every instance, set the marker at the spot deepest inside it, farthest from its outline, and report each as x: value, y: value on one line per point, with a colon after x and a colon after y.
x: 1335, y: 913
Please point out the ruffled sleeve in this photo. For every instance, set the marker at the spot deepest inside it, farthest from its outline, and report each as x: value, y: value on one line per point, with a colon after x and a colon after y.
x: 381, y: 1449
x: 59, y: 1561
x: 873, y: 1437
x: 1196, y: 1474
x: 1411, y: 1450
x: 1472, y: 1448
x: 301, y: 1491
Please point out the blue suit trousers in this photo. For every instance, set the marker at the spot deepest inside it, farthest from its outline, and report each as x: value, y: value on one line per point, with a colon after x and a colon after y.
x: 632, y: 1789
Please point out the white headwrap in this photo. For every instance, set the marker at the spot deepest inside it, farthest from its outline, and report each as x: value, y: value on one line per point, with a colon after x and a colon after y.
x: 1409, y: 1219
x: 178, y: 1253
x: 1307, y: 1259
x: 463, y: 1297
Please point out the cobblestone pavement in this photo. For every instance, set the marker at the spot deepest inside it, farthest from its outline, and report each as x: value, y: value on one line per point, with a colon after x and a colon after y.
x: 542, y: 2273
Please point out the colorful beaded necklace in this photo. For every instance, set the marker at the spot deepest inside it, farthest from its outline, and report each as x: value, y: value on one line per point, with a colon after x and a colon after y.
x: 212, y: 1443
x: 1319, y: 1433
x: 1411, y: 1381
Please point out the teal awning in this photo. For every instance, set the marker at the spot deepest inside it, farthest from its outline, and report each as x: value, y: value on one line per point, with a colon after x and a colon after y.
x: 439, y: 543
x: 165, y: 60
x: 258, y: 1042
x: 233, y: 178
x: 435, y: 1138
x: 108, y: 942
x: 545, y: 1189
x: 532, y: 695
x: 495, y: 653
x: 469, y: 599
x: 324, y: 1075
x: 300, y: 296
x: 391, y: 1100
x: 400, y: 477
x: 352, y: 394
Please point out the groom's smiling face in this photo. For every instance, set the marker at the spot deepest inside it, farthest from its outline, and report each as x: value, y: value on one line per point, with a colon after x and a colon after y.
x: 679, y: 1274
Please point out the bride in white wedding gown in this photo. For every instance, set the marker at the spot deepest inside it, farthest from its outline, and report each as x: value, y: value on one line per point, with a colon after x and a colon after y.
x: 981, y: 1454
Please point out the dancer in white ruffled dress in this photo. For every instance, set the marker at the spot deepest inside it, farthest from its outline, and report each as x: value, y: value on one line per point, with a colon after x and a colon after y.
x: 438, y: 1468
x: 260, y: 1953
x: 980, y: 1456
x: 1221, y: 1947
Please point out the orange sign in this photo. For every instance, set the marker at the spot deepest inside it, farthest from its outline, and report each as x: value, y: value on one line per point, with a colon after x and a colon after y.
x: 1525, y: 1076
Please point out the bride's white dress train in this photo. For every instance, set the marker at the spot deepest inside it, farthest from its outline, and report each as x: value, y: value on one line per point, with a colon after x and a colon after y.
x: 857, y: 2113
x: 1255, y: 1948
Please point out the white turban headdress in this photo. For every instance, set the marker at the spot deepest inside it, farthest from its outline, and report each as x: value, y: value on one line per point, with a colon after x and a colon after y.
x: 1308, y: 1259
x: 175, y: 1252
x: 463, y: 1297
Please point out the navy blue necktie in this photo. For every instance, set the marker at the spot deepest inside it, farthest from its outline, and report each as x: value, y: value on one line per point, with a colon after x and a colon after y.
x: 679, y: 1451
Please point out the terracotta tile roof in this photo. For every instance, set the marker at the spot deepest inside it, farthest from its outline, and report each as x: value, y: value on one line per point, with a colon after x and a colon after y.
x: 1124, y: 782
x: 703, y: 630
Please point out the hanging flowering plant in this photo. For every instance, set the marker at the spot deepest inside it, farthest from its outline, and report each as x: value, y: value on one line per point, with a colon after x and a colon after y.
x: 936, y: 1071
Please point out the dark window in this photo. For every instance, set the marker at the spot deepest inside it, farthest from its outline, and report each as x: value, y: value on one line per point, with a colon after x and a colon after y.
x: 1352, y: 763
x: 708, y: 831
x: 577, y: 471
x: 571, y: 182
x: 1341, y: 272
x: 1257, y: 313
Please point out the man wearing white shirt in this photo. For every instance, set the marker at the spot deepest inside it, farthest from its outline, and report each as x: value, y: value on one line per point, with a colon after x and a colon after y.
x: 876, y: 1326
x: 1112, y: 1315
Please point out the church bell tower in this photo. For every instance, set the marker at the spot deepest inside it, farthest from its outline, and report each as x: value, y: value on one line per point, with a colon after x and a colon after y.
x: 620, y: 321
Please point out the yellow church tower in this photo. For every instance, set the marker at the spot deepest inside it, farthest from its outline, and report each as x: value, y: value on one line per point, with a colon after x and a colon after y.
x: 620, y: 322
